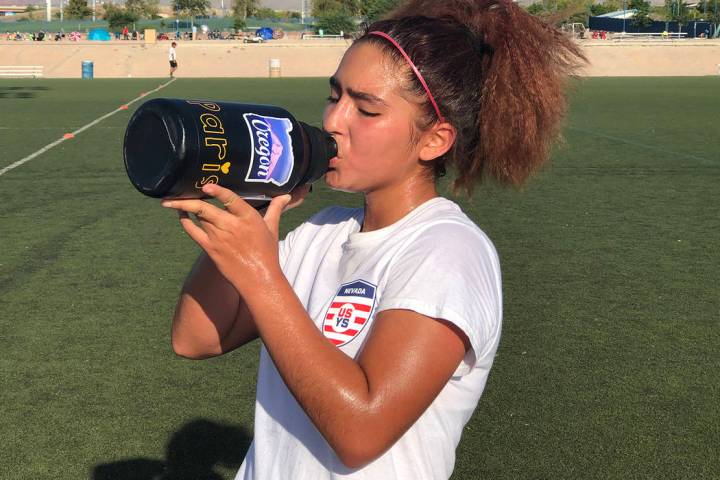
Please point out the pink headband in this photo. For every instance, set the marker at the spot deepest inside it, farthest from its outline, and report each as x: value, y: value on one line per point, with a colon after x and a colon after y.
x: 412, y: 65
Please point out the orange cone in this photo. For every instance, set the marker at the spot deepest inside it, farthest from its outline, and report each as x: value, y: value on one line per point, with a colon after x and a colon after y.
x: 68, y: 135
x: 123, y: 107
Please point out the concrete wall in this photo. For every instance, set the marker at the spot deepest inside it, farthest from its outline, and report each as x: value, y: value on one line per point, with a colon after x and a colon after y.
x: 196, y: 59
x: 659, y: 58
x: 298, y: 58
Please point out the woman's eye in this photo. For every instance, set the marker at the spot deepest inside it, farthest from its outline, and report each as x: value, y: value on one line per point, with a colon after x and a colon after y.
x: 367, y: 114
x: 332, y: 99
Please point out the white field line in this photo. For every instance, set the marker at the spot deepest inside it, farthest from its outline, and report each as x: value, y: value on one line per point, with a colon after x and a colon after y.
x: 80, y: 130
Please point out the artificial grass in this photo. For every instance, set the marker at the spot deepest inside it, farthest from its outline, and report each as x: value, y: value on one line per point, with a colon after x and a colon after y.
x: 607, y: 364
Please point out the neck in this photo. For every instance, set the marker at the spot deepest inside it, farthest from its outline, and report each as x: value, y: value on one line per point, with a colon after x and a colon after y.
x: 386, y: 206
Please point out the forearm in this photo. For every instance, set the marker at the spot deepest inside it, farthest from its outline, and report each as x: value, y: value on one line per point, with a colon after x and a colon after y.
x: 331, y: 387
x: 210, y: 318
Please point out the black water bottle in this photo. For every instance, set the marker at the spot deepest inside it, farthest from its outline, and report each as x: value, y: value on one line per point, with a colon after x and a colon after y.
x: 173, y: 147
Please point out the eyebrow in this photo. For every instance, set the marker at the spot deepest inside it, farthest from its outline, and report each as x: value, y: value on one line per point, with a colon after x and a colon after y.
x: 368, y: 97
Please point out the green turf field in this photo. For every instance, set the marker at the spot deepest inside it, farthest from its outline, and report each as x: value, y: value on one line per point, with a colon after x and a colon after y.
x: 608, y: 365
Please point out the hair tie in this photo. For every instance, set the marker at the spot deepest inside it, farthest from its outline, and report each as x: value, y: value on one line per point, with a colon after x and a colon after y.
x: 414, y: 68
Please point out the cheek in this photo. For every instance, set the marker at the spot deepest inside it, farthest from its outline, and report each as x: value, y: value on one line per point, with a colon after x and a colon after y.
x: 381, y: 140
x: 326, y: 113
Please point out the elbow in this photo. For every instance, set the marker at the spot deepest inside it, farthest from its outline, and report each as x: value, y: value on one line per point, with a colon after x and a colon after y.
x: 355, y: 461
x: 357, y: 452
x: 189, y: 351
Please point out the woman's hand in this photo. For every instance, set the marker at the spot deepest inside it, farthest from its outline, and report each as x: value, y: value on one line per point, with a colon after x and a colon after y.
x: 241, y: 242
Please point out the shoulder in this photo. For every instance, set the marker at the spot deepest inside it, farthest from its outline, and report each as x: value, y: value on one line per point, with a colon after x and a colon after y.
x: 443, y: 227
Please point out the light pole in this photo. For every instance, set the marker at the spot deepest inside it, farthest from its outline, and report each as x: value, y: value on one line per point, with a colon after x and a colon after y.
x: 624, y: 15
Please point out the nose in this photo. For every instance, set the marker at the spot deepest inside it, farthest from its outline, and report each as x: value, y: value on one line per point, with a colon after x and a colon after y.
x: 334, y: 118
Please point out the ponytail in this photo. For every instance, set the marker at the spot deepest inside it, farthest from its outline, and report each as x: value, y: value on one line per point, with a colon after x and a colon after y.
x: 498, y: 75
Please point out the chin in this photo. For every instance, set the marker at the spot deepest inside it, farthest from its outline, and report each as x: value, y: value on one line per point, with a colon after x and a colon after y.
x: 332, y: 181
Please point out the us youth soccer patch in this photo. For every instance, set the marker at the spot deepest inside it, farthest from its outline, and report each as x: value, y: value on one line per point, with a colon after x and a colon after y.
x: 349, y: 312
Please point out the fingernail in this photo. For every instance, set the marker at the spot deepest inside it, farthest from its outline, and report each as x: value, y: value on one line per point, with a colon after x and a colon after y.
x: 166, y: 203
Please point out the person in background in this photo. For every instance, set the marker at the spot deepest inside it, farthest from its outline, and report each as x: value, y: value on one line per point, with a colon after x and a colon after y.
x: 379, y: 325
x: 172, y: 56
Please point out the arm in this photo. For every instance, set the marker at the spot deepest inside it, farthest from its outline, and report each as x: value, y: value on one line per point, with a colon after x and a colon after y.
x: 210, y: 318
x: 360, y: 407
x: 405, y: 364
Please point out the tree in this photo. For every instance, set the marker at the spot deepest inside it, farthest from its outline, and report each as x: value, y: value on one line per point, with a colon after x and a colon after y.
x: 606, y: 7
x: 30, y: 10
x: 266, y: 14
x: 560, y: 12
x: 677, y: 11
x: 325, y: 8
x: 335, y: 22
x: 710, y: 11
x: 375, y: 9
x: 642, y: 13
x: 143, y: 8
x: 537, y: 8
x: 191, y: 8
x: 243, y: 9
x: 118, y: 17
x: 77, y: 9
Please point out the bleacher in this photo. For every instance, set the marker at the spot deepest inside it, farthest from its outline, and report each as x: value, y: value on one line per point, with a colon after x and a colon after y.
x: 33, y: 71
x: 622, y: 35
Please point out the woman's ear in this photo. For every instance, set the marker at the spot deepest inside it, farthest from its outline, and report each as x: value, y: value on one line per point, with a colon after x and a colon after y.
x: 437, y: 141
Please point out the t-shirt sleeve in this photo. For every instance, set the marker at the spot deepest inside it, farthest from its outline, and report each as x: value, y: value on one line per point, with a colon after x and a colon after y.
x: 451, y: 272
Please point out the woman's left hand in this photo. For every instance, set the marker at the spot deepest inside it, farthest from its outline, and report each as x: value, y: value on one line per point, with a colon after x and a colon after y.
x: 242, y: 243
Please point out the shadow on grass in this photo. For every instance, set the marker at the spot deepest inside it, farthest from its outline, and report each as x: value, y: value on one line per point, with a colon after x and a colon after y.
x: 20, y: 91
x: 192, y: 454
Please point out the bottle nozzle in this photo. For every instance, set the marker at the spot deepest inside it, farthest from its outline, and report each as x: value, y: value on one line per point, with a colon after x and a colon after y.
x: 322, y: 149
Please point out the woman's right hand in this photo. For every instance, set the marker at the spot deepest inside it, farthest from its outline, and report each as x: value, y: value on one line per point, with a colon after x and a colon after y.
x: 211, y: 317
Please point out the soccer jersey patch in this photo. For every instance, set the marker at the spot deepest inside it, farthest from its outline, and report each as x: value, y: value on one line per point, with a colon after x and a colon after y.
x: 349, y: 312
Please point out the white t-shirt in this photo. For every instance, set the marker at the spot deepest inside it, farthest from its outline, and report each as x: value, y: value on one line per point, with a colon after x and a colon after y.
x: 434, y: 261
x: 171, y: 54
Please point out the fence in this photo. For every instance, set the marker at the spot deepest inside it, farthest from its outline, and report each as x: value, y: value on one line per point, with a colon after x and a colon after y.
x: 692, y: 29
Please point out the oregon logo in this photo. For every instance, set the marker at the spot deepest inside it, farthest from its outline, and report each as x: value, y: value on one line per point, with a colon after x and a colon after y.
x: 272, y: 154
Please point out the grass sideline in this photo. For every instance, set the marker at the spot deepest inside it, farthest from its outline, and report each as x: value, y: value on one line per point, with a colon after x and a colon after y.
x: 607, y: 367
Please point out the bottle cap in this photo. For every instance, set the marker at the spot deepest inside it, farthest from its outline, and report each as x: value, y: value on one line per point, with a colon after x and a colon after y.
x: 322, y: 149
x: 155, y: 148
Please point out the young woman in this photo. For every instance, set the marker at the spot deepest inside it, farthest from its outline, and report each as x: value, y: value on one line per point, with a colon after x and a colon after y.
x: 379, y: 325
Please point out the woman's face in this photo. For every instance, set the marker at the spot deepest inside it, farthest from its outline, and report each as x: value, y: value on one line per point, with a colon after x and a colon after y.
x: 372, y: 124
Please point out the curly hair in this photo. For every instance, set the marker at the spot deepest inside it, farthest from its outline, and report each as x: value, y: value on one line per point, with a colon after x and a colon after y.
x: 498, y: 75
